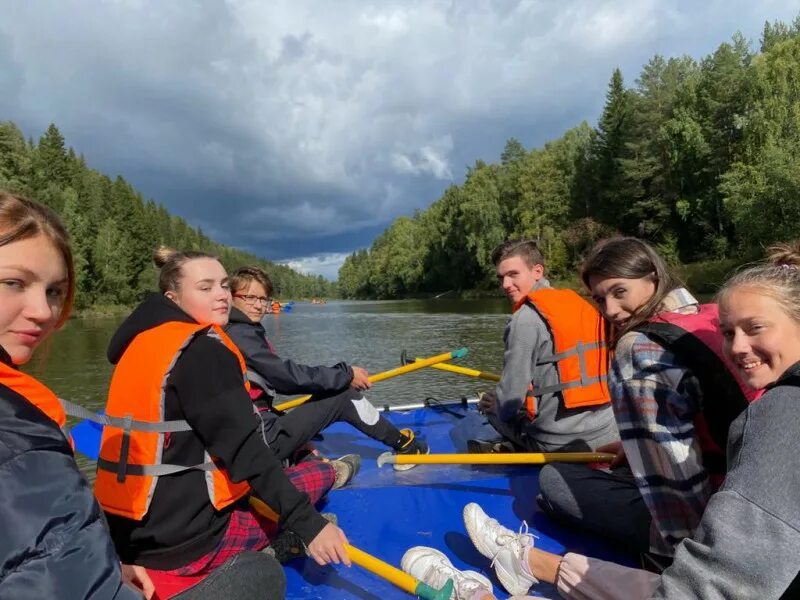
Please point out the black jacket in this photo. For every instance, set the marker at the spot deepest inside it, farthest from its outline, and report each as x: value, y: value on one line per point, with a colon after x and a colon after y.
x: 205, y: 389
x: 282, y: 375
x: 53, y: 540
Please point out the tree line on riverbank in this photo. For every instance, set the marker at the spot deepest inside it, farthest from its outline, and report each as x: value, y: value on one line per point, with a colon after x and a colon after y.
x: 113, y: 228
x: 699, y: 157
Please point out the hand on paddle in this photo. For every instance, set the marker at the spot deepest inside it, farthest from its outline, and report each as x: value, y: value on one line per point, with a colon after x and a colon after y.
x: 615, y: 448
x: 137, y: 577
x: 360, y: 379
x: 328, y: 546
x: 487, y: 403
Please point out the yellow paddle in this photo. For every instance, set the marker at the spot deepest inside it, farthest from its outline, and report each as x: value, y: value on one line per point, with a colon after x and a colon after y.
x: 510, y: 458
x: 453, y: 368
x: 415, y: 366
x: 465, y: 371
x: 375, y: 565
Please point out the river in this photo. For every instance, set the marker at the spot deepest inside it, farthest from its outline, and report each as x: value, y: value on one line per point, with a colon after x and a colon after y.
x: 371, y: 334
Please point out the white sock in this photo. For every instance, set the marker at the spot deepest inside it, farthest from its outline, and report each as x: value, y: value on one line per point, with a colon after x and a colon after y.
x: 524, y: 563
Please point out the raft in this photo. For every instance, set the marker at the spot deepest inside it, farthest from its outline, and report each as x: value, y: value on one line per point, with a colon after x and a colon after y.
x: 385, y: 512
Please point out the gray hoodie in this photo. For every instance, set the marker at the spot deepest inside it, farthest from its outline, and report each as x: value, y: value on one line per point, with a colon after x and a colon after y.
x: 748, y: 541
x: 527, y: 339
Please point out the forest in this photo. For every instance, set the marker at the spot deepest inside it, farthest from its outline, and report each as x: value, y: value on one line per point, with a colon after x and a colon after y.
x: 700, y: 157
x: 113, y: 229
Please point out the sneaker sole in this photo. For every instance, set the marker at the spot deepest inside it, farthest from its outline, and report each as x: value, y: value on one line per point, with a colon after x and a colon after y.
x: 470, y: 523
x: 407, y: 467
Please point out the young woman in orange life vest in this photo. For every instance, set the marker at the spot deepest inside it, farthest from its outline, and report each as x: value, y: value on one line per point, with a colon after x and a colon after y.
x: 53, y: 541
x: 180, y: 380
x: 674, y: 395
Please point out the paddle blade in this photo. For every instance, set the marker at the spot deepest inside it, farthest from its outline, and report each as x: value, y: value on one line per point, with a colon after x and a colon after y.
x: 86, y: 436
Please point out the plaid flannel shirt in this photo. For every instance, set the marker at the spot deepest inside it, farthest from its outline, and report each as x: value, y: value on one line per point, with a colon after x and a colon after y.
x: 655, y: 401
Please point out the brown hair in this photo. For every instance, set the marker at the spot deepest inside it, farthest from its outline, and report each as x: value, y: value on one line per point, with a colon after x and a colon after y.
x: 777, y: 277
x: 631, y: 258
x: 21, y: 219
x: 528, y: 250
x: 170, y: 262
x: 244, y: 275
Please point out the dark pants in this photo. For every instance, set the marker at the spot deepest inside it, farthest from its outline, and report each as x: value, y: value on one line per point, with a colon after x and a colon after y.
x: 516, y: 432
x: 293, y: 429
x: 608, y: 504
x: 246, y: 576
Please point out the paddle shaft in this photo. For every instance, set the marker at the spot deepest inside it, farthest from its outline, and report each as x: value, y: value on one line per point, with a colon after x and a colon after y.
x: 415, y: 366
x: 511, y: 458
x: 466, y: 371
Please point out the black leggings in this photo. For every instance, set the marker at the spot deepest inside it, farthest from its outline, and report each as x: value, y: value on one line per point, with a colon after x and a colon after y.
x: 293, y: 429
x: 246, y: 576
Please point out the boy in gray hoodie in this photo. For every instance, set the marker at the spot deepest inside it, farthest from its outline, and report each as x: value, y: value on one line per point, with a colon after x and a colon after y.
x: 528, y: 406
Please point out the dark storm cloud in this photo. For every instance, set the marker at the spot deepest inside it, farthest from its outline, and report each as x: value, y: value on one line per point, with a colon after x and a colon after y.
x: 301, y: 129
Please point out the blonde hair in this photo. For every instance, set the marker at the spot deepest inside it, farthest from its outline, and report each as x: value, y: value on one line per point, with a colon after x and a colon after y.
x: 21, y: 219
x: 170, y: 262
x: 778, y: 277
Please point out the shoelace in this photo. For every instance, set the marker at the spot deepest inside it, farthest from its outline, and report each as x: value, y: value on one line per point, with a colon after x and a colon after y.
x: 522, y: 538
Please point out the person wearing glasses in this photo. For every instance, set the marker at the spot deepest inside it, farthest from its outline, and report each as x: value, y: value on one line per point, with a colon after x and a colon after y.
x: 336, y: 391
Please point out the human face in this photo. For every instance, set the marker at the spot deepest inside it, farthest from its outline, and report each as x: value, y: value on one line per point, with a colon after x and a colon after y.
x: 33, y: 285
x: 619, y: 298
x: 254, y: 291
x: 516, y: 278
x: 760, y: 338
x: 203, y: 291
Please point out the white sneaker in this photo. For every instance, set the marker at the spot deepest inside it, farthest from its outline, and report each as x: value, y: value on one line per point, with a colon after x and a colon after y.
x: 434, y: 569
x: 503, y: 546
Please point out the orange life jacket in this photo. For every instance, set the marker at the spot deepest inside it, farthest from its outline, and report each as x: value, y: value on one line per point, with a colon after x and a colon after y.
x: 37, y: 394
x: 131, y: 452
x: 579, y: 349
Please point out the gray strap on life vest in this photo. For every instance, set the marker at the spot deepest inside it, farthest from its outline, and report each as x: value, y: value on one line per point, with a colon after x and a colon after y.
x: 254, y: 377
x: 151, y: 470
x: 580, y: 350
x: 75, y: 410
x: 124, y: 449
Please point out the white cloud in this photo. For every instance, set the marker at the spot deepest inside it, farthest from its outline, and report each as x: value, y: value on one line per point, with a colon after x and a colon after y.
x: 269, y: 122
x: 326, y: 264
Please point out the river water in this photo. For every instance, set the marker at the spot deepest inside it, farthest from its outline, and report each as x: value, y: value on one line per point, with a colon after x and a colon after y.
x: 365, y: 333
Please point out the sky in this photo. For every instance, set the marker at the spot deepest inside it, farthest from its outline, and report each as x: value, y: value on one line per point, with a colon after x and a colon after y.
x: 299, y: 130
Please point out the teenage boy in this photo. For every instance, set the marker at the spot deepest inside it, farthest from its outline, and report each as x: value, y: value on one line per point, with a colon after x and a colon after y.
x: 552, y: 395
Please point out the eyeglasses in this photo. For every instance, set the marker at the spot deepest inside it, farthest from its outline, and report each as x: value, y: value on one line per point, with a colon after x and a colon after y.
x: 253, y: 300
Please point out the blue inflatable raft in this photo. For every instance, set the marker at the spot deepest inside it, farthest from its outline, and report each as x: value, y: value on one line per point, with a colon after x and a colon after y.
x: 385, y: 512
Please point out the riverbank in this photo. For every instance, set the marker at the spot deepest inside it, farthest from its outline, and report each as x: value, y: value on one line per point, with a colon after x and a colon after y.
x: 702, y: 278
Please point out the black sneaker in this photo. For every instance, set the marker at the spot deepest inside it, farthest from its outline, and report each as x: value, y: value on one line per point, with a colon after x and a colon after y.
x: 346, y: 468
x: 411, y: 445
